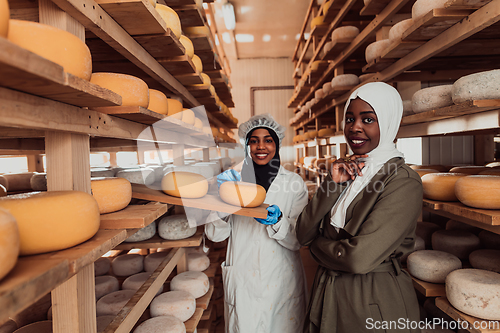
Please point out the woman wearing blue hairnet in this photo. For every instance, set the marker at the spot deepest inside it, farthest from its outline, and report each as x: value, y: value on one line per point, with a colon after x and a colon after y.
x: 263, y: 276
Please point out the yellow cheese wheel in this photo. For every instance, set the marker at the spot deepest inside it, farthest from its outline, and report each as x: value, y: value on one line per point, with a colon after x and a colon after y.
x: 206, y: 79
x: 134, y: 91
x: 318, y: 20
x: 479, y: 191
x: 325, y: 132
x: 422, y: 172
x: 188, y: 46
x: 157, y: 101
x: 440, y: 186
x: 183, y: 184
x: 171, y: 19
x: 52, y: 221
x: 198, y: 123
x: 174, y: 106
x: 18, y: 181
x: 111, y: 194
x: 488, y: 171
x: 200, y: 30
x: 197, y: 63
x: 54, y: 44
x: 188, y: 116
x: 4, y: 18
x: 3, y: 191
x: 242, y: 194
x: 469, y: 169
x: 438, y: 167
x: 9, y: 242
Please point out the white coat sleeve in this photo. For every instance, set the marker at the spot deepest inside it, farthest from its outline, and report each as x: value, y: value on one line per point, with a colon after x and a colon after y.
x: 284, y: 231
x: 216, y: 229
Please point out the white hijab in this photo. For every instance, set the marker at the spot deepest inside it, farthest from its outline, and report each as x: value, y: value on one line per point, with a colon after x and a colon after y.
x: 388, y: 105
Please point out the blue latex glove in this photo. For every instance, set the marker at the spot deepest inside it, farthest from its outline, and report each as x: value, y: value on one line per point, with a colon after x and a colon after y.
x: 273, y: 215
x: 228, y: 175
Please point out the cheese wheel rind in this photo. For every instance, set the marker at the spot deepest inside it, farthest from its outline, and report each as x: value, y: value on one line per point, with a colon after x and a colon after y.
x: 174, y: 227
x: 4, y: 18
x: 475, y: 292
x: 184, y: 184
x: 188, y: 46
x: 422, y: 7
x: 375, y: 49
x: 133, y: 90
x: 102, y: 266
x: 9, y: 242
x: 52, y: 221
x: 112, y: 303
x: 431, y: 265
x: 144, y: 176
x: 171, y: 19
x: 440, y: 186
x: 112, y: 194
x: 193, y: 282
x: 242, y: 194
x: 18, y: 181
x: 432, y: 98
x: 399, y: 28
x: 56, y: 45
x: 153, y: 260
x: 157, y: 102
x: 347, y: 31
x: 486, y: 259
x: 457, y: 242
x: 198, y: 65
x: 197, y: 261
x: 345, y: 80
x: 105, y: 284
x: 483, y: 85
x: 178, y: 303
x: 143, y: 234
x: 479, y: 191
x: 160, y: 324
x: 44, y: 326
x: 128, y: 264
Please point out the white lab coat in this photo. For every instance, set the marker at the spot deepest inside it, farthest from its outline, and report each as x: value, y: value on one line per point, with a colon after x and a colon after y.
x: 263, y: 276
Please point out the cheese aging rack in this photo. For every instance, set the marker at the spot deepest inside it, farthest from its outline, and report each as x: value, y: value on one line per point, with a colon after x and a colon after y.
x: 45, y: 110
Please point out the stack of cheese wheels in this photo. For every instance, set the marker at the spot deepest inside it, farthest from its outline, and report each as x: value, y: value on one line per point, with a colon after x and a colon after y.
x: 198, y: 65
x: 54, y: 44
x: 327, y: 87
x: 134, y: 282
x: 164, y: 323
x: 197, y: 261
x: 489, y: 240
x: 441, y: 186
x: 376, y: 49
x: 425, y: 231
x: 347, y: 31
x: 199, y: 30
x: 438, y: 167
x: 479, y: 191
x: 432, y: 266
x: 458, y: 242
x: 242, y: 194
x: 312, y: 134
x: 17, y: 181
x: 431, y: 98
x: 422, y: 7
x: 157, y: 102
x: 42, y: 218
x: 133, y: 90
x: 319, y: 94
x: 422, y: 172
x: 397, y: 30
x: 477, y: 86
x: 187, y: 116
x: 318, y: 20
x: 195, y: 283
x: 178, y: 303
x: 111, y: 194
x: 44, y: 326
x: 344, y: 80
x: 9, y: 242
x: 175, y: 227
x: 469, y: 169
x: 485, y: 259
x: 188, y: 46
x: 105, y: 284
x: 102, y: 266
x: 112, y: 303
x: 127, y: 264
x: 153, y: 260
x: 454, y: 224
x: 171, y: 19
x: 38, y: 181
x: 4, y: 18
x: 143, y: 234
x: 174, y: 108
x: 475, y: 292
x: 184, y: 184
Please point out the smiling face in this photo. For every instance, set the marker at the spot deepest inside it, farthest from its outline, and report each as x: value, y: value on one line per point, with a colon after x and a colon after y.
x: 361, y: 127
x: 262, y: 146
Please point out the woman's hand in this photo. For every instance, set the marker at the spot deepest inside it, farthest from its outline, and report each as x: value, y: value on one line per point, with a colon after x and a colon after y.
x: 347, y: 168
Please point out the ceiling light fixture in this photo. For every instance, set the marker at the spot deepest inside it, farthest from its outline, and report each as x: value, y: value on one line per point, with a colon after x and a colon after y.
x: 229, y: 16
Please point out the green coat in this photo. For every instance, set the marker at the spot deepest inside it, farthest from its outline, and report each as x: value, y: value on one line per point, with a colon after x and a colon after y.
x: 359, y: 285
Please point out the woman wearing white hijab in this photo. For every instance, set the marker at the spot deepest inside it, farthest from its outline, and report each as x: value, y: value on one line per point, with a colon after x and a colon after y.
x: 361, y: 221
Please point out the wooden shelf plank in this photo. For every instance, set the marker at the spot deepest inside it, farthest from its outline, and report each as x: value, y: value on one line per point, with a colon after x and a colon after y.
x: 465, y: 108
x: 189, y: 79
x: 137, y: 114
x: 333, y: 10
x: 402, y: 48
x: 485, y: 216
x: 180, y: 3
x: 133, y: 216
x: 203, y: 301
x: 429, y: 289
x: 199, y: 92
x: 433, y: 23
x: 192, y: 322
x: 210, y: 271
x: 208, y: 202
x: 207, y: 313
x: 209, y: 59
x: 465, y: 4
x: 158, y: 242
x: 320, y: 30
x: 137, y: 17
x: 446, y: 307
x: 160, y: 45
x: 190, y: 16
x: 201, y: 43
x: 25, y: 71
x: 180, y: 65
x: 373, y: 7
